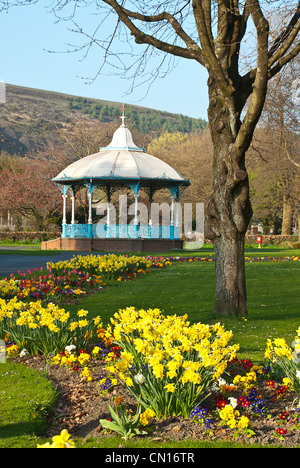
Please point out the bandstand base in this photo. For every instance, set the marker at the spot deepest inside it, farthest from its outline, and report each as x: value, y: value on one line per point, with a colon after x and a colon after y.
x: 113, y: 245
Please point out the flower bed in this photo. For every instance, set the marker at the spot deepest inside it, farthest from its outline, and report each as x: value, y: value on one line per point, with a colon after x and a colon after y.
x: 81, y: 274
x: 248, y: 403
x: 292, y: 258
x: 48, y: 287
x: 107, y: 266
x: 172, y: 378
x: 76, y: 277
x: 168, y: 356
x: 39, y: 329
x: 28, y: 314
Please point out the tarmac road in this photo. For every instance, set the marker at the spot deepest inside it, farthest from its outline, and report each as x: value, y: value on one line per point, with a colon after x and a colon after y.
x: 15, y: 263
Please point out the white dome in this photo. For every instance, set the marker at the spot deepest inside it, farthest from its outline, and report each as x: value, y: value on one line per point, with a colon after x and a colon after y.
x: 122, y: 139
x: 121, y: 159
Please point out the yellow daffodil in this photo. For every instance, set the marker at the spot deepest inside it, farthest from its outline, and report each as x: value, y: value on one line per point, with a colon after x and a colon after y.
x: 63, y: 440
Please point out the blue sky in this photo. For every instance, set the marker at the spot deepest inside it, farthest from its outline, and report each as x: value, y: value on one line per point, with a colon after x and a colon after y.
x: 27, y: 34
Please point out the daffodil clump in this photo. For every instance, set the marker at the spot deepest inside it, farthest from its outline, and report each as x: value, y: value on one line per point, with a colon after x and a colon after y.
x: 8, y: 288
x: 63, y: 440
x: 166, y: 363
x: 44, y: 329
x: 109, y: 266
x: 286, y: 357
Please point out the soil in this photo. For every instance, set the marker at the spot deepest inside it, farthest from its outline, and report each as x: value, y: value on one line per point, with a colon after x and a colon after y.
x: 80, y: 406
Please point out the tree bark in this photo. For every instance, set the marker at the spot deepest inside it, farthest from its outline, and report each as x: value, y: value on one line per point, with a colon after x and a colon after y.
x: 228, y: 239
x: 228, y: 211
x: 230, y: 297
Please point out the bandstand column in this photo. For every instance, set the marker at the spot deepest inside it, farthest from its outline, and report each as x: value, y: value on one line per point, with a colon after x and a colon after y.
x: 136, y: 199
x: 135, y: 221
x: 73, y: 211
x: 172, y: 222
x: 64, y: 191
x: 90, y: 220
x: 64, y: 218
x: 172, y: 217
x: 108, y: 213
x: 90, y: 188
x: 73, y: 206
x: 150, y: 212
x: 177, y: 219
x: 135, y: 188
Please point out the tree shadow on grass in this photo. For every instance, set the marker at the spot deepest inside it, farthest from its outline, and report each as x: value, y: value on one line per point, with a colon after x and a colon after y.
x: 20, y: 434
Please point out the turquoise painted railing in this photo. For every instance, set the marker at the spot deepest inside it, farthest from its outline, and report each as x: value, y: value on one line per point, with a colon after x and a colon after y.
x: 120, y: 231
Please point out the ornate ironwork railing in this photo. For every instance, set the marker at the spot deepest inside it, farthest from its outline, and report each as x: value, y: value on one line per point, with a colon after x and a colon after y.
x: 120, y: 231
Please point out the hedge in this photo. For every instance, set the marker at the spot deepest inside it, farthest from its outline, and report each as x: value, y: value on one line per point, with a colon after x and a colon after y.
x: 19, y: 236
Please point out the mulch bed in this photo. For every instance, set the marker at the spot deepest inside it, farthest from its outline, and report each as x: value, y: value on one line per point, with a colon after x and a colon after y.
x: 80, y: 407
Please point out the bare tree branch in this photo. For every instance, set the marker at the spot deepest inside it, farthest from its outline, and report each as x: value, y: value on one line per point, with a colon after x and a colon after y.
x: 191, y: 52
x: 260, y: 82
x: 283, y: 61
x: 290, y: 32
x: 213, y: 65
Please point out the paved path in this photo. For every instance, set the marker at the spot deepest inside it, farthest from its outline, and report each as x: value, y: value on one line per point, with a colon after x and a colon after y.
x: 15, y: 263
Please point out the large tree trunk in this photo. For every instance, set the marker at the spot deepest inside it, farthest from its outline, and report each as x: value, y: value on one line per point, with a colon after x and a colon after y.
x: 231, y: 297
x: 228, y: 211
x: 226, y: 225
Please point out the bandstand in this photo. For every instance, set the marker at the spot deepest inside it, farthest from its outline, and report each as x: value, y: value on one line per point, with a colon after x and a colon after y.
x: 119, y: 165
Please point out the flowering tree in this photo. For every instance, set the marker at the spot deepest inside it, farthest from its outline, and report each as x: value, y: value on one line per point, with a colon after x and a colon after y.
x: 217, y: 35
x: 26, y: 189
x: 25, y: 183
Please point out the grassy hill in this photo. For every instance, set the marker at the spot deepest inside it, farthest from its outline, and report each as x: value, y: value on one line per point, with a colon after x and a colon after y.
x: 32, y: 116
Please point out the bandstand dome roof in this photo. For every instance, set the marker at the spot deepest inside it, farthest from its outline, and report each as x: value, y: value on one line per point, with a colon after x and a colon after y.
x: 119, y: 163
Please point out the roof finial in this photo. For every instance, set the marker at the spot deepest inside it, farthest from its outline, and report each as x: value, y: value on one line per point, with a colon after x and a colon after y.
x: 122, y: 117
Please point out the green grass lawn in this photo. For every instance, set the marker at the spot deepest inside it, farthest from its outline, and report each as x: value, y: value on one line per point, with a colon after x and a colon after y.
x: 188, y: 288
x: 182, y: 288
x: 25, y: 394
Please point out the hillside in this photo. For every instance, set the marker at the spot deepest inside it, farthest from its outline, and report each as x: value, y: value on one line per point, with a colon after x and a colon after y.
x: 31, y: 116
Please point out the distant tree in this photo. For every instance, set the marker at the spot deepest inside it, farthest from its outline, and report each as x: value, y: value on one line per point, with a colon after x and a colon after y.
x: 282, y: 116
x: 86, y: 138
x: 190, y: 154
x: 277, y: 144
x: 25, y: 183
x: 26, y: 189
